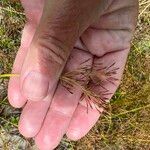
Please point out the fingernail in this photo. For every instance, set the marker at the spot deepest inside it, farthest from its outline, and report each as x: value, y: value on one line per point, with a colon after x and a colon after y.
x: 35, y: 86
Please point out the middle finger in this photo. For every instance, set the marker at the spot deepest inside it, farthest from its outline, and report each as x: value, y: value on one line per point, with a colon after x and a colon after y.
x: 63, y: 106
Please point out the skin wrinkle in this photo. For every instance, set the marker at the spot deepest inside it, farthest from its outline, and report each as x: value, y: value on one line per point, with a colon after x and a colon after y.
x: 62, y: 17
x: 44, y: 67
x: 61, y: 112
x: 120, y: 25
x: 126, y: 39
x: 54, y: 54
x: 123, y: 8
x: 114, y: 8
x: 98, y: 10
x: 84, y: 45
x: 62, y: 22
x: 54, y: 40
x: 125, y: 29
x: 59, y: 25
x: 52, y: 49
x: 107, y: 5
x: 114, y: 5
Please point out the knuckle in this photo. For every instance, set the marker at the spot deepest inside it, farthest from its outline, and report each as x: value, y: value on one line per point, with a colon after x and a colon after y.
x: 52, y: 49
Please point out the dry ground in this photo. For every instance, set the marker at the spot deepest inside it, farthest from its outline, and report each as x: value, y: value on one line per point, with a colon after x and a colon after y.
x: 127, y: 125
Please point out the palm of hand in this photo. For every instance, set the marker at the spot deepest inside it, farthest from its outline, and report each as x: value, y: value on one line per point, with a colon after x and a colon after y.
x: 106, y: 41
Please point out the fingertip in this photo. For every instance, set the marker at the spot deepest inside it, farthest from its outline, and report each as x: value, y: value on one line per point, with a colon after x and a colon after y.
x: 32, y: 118
x: 44, y: 143
x: 82, y: 122
x: 16, y: 100
x: 26, y: 128
x: 14, y: 95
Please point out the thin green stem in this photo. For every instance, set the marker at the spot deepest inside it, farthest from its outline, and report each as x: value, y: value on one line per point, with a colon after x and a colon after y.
x: 8, y: 122
x: 8, y: 75
x: 136, y: 140
x: 130, y: 111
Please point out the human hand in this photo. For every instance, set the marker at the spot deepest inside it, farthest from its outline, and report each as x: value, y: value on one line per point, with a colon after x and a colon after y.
x: 100, y: 31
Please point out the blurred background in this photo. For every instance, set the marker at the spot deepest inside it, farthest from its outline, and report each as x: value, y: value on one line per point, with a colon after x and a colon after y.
x: 127, y: 124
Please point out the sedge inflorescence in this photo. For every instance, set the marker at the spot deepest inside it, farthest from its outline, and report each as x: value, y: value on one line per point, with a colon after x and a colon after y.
x: 91, y: 82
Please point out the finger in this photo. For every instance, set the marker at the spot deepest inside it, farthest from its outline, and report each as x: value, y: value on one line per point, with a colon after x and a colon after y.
x: 120, y: 15
x: 32, y: 117
x: 63, y: 105
x: 33, y: 10
x: 15, y: 97
x: 100, y: 42
x: 34, y: 113
x: 114, y: 29
x: 61, y: 24
x: 14, y: 93
x: 82, y: 121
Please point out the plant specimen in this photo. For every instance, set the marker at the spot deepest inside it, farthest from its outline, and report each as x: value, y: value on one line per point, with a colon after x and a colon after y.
x: 89, y: 80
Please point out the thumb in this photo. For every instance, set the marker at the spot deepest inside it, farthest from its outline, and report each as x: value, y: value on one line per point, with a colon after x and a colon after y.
x: 61, y: 24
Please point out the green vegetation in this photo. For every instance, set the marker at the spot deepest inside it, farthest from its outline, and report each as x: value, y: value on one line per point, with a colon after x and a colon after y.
x: 127, y: 124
